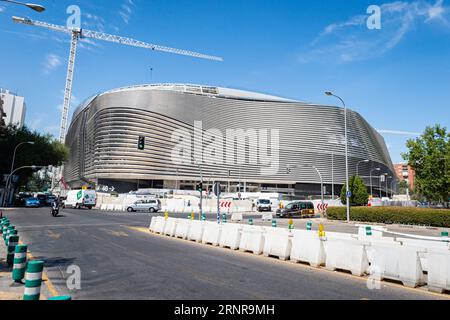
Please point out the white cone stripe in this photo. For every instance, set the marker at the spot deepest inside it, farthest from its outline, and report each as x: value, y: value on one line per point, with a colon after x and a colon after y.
x: 33, y: 276
x: 32, y: 291
x: 20, y: 255
x: 19, y: 266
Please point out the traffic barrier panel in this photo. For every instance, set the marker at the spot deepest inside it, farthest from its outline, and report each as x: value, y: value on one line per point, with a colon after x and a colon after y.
x: 152, y: 224
x: 212, y: 233
x: 252, y: 239
x: 398, y: 263
x: 424, y: 248
x: 12, y: 243
x: 368, y: 241
x: 33, y: 280
x: 170, y: 227
x: 110, y: 207
x: 267, y: 216
x: 308, y: 247
x: 196, y: 231
x: 277, y: 243
x: 347, y: 255
x: 103, y: 207
x: 237, y: 216
x: 159, y: 225
x: 20, y: 262
x: 182, y: 229
x: 439, y: 271
x: 230, y: 236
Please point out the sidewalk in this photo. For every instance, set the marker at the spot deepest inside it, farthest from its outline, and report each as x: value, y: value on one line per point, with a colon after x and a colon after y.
x: 9, y: 290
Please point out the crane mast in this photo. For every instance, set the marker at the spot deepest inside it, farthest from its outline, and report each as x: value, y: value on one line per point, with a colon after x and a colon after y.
x: 76, y: 34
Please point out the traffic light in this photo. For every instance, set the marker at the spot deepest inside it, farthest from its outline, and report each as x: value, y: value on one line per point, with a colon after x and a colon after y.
x: 141, y: 143
x: 200, y: 187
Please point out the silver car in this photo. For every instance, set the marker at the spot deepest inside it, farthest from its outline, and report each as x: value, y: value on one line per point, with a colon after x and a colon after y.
x: 152, y: 206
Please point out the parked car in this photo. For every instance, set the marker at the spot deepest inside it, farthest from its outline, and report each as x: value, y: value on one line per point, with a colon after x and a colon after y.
x: 152, y: 206
x: 298, y: 209
x: 42, y: 199
x: 263, y: 205
x: 32, y: 203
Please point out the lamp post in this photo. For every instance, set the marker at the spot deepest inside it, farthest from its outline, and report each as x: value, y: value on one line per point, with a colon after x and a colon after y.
x: 35, y: 7
x: 328, y: 93
x: 289, y: 167
x: 357, y: 166
x: 12, y: 166
x: 371, y: 185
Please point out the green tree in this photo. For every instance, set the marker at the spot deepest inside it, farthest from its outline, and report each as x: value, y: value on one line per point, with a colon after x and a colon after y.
x: 429, y: 156
x: 46, y: 151
x: 39, y: 182
x: 360, y: 196
x: 403, y: 186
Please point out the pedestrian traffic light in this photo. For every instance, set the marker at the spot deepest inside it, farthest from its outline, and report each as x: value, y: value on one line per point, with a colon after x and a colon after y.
x: 200, y: 187
x: 141, y: 143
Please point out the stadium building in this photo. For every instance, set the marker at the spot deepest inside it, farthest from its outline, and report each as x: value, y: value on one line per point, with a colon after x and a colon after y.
x: 190, y: 132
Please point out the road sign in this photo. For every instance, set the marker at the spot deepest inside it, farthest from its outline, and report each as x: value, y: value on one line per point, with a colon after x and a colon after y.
x: 217, y: 191
x: 349, y: 194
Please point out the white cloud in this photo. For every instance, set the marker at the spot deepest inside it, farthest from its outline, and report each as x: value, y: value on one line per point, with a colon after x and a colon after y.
x: 2, y: 8
x: 126, y: 10
x: 52, y: 62
x: 351, y: 40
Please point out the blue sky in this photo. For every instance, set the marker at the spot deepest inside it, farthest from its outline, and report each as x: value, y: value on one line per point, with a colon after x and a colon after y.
x: 396, y: 77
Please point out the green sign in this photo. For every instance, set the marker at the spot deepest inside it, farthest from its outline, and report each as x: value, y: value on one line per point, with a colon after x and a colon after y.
x: 79, y: 195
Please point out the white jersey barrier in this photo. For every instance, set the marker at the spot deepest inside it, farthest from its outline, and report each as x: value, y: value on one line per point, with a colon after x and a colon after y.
x: 196, y: 230
x: 252, y: 239
x: 170, y: 227
x: 182, y: 229
x: 267, y: 216
x: 212, y: 233
x: 397, y: 263
x: 277, y: 243
x: 401, y: 259
x: 237, y: 216
x: 439, y: 271
x: 231, y: 236
x: 308, y: 247
x: 347, y: 255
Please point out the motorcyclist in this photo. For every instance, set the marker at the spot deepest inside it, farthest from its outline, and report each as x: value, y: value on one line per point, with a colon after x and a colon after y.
x: 55, y: 207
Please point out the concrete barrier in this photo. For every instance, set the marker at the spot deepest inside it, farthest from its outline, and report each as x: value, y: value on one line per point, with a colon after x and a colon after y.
x: 267, y: 216
x: 103, y: 207
x: 424, y: 247
x: 252, y: 239
x: 439, y: 271
x: 182, y: 230
x: 231, y: 236
x: 159, y: 225
x: 277, y: 243
x: 237, y: 216
x: 196, y: 231
x: 212, y: 233
x: 398, y: 263
x: 170, y: 227
x: 308, y: 247
x: 152, y: 224
x: 347, y: 255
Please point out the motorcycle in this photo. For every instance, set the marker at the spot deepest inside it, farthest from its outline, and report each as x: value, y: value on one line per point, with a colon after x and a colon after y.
x: 55, y: 209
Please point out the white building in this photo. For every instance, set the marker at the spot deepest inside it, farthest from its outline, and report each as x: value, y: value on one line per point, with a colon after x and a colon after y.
x: 15, y: 108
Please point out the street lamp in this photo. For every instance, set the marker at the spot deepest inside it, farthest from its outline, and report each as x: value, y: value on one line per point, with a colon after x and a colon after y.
x: 357, y: 166
x: 12, y: 166
x: 328, y: 93
x: 371, y: 185
x: 35, y: 7
x: 289, y: 167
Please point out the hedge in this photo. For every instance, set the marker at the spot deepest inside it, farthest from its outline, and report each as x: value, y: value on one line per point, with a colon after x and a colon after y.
x: 390, y: 215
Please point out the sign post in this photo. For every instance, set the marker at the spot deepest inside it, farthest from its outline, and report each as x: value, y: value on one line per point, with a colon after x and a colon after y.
x: 217, y: 192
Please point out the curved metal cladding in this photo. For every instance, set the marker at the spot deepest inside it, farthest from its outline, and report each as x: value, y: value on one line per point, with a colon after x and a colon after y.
x: 104, y: 132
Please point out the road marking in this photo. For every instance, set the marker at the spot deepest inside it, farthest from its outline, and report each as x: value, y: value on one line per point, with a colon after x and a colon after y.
x: 53, y: 235
x: 294, y: 265
x: 45, y: 278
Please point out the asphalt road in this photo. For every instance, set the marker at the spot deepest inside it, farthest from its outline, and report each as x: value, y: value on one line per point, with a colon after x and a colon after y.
x: 119, y: 260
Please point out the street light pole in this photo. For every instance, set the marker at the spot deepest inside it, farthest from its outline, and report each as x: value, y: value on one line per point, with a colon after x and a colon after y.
x: 346, y: 154
x: 371, y: 185
x: 35, y: 7
x: 12, y: 167
x: 357, y: 166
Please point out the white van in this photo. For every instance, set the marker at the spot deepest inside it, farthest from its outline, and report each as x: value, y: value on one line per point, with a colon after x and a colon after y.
x: 80, y: 199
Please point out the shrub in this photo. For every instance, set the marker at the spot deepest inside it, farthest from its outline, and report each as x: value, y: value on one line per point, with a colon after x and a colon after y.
x: 360, y: 196
x: 389, y: 215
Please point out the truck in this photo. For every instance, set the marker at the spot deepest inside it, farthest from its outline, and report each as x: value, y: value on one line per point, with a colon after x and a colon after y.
x: 79, y: 199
